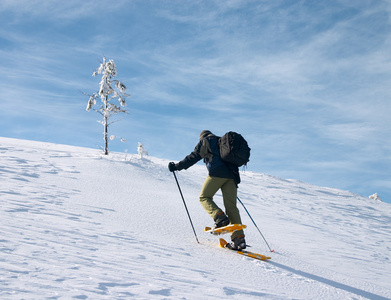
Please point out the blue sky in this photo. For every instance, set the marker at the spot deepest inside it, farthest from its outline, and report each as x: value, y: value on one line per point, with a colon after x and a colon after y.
x: 307, y: 83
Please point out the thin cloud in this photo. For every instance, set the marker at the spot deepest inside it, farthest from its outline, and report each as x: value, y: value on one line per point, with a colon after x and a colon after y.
x: 26, y: 10
x: 307, y: 83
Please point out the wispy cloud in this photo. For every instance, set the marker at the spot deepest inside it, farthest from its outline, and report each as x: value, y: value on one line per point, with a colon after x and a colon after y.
x: 307, y: 83
x: 34, y: 10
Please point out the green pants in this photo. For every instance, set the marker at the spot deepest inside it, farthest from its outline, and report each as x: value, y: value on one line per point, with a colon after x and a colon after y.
x: 229, y: 191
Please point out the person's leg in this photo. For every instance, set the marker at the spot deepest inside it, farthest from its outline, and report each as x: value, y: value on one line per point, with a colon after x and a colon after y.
x: 210, y: 187
x: 229, y: 191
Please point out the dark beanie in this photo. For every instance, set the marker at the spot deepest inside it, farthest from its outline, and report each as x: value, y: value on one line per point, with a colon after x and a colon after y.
x: 204, y: 133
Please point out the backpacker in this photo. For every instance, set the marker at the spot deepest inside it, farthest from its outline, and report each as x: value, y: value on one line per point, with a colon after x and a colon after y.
x: 234, y: 149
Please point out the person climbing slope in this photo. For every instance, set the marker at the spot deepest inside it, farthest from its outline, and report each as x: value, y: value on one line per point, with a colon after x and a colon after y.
x: 221, y: 175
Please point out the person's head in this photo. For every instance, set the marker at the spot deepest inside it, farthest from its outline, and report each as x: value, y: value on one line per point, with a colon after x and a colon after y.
x: 204, y: 133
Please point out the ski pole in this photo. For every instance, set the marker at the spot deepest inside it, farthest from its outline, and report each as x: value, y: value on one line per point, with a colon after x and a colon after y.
x: 255, y: 225
x: 183, y: 199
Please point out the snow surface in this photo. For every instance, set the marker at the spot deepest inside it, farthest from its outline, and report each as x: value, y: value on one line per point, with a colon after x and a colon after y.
x: 75, y: 224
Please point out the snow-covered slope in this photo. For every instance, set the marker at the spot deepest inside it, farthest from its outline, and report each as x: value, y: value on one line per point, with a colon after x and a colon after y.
x: 78, y: 225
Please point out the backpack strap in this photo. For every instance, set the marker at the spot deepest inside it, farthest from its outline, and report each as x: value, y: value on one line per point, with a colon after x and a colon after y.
x: 205, y: 150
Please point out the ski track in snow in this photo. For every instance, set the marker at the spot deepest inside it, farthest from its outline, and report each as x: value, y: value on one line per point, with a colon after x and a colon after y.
x: 79, y: 225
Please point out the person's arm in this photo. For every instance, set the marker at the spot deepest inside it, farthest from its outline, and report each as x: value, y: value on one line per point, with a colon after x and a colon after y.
x: 188, y: 161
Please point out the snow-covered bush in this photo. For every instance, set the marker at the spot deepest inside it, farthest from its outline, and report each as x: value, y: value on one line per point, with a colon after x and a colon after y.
x: 141, y: 151
x: 109, y: 89
x: 375, y: 196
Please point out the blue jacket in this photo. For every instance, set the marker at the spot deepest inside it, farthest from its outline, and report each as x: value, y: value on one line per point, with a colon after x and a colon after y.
x: 216, y: 167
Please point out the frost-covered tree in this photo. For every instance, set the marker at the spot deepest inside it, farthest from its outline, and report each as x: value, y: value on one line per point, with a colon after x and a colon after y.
x: 109, y: 89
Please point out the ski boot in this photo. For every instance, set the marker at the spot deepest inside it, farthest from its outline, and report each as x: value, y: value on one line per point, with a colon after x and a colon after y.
x: 221, y: 220
x: 238, y: 243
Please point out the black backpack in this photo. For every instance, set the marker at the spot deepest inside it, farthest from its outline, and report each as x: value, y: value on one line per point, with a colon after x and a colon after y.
x: 234, y: 149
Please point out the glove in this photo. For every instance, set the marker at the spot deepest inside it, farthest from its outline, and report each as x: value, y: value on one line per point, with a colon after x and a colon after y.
x: 172, y: 167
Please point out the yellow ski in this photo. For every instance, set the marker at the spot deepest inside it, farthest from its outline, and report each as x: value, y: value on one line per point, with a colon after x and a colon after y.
x: 225, y: 229
x: 223, y: 244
